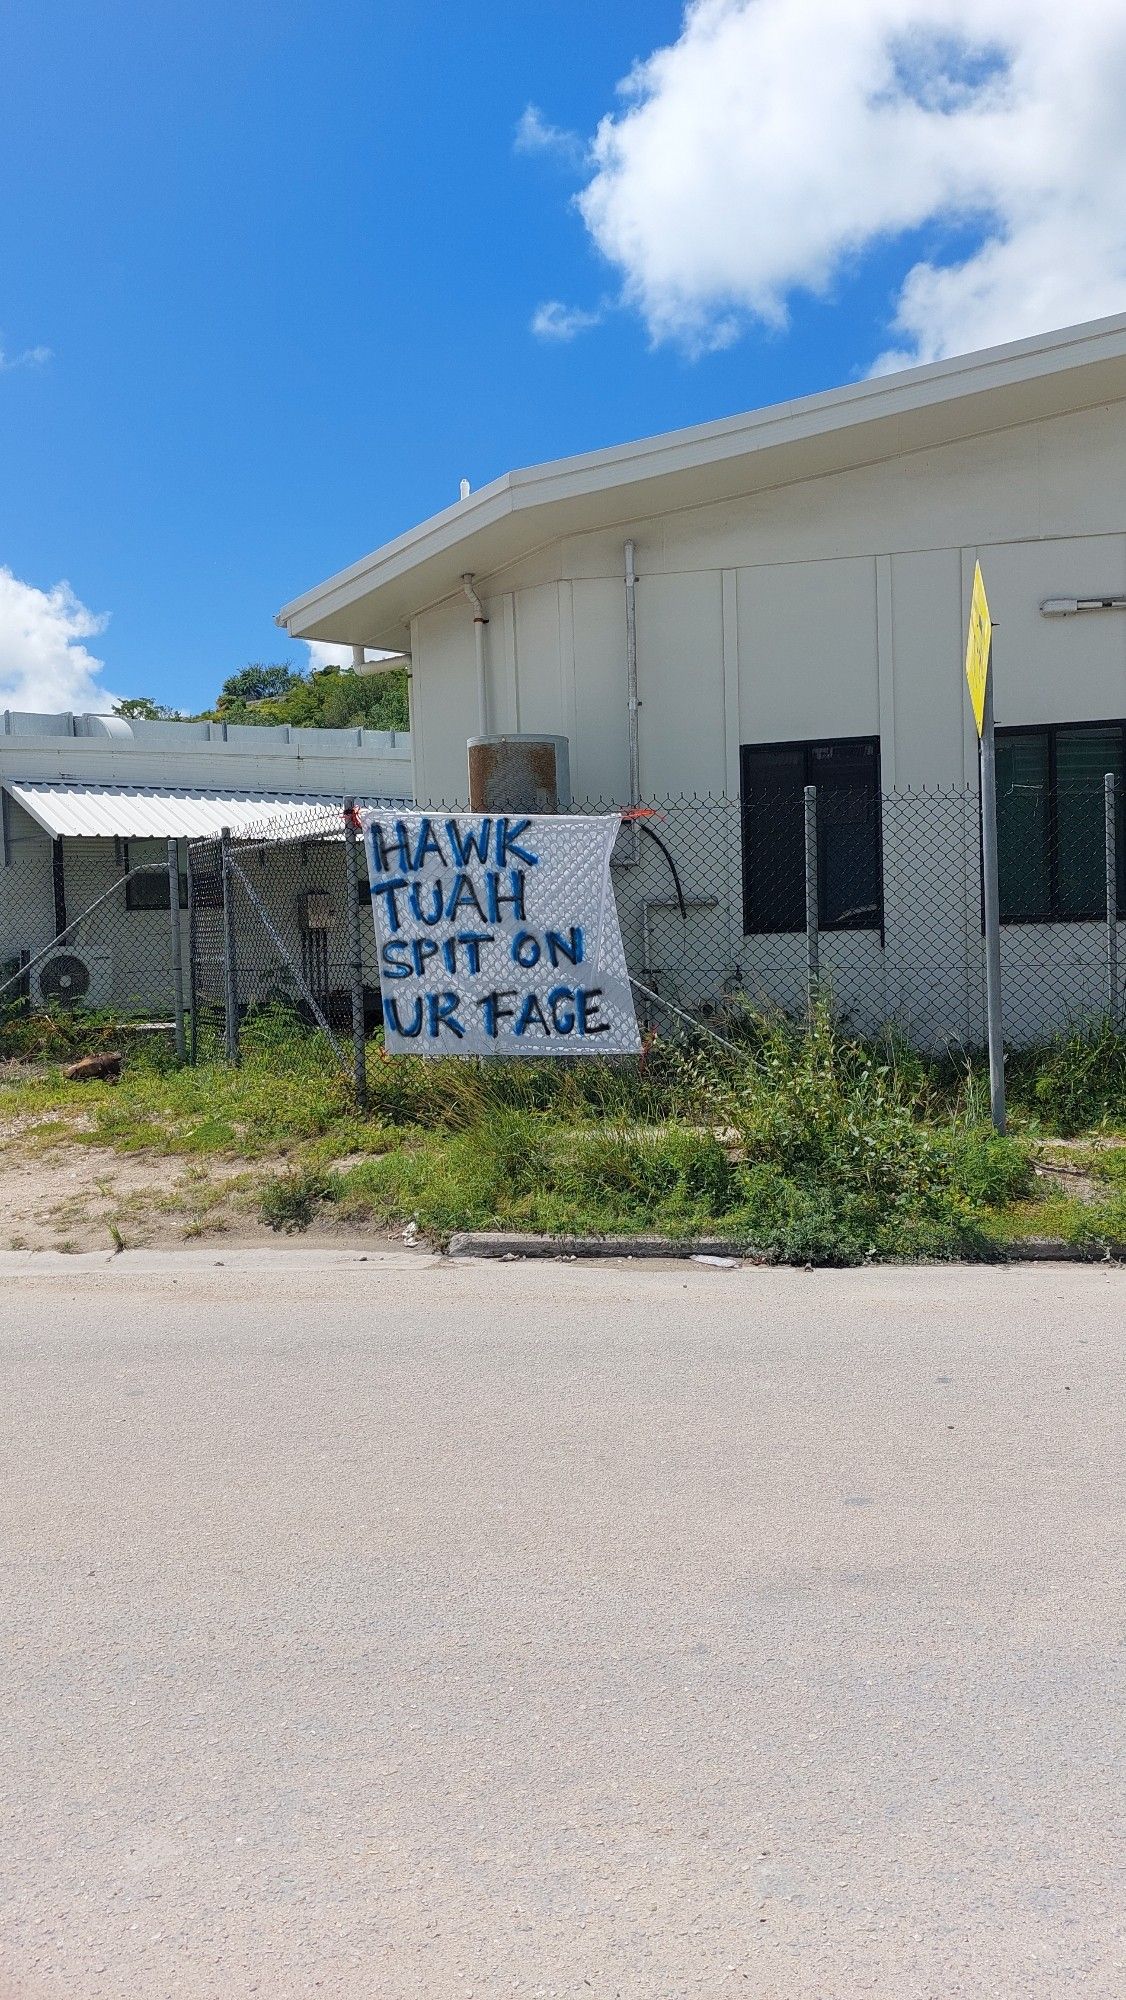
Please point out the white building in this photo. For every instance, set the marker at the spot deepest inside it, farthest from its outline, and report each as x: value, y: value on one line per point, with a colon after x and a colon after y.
x: 86, y: 799
x: 803, y: 578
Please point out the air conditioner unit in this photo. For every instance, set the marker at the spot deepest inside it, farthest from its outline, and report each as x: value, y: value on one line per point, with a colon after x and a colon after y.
x: 73, y: 975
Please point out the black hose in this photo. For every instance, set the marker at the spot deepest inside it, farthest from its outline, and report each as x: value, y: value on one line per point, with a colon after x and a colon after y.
x: 672, y: 865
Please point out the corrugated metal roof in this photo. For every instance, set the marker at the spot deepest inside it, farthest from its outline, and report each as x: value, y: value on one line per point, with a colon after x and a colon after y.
x: 153, y: 812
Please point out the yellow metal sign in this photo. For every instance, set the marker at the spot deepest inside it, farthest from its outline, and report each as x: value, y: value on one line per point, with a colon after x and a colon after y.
x: 977, y: 648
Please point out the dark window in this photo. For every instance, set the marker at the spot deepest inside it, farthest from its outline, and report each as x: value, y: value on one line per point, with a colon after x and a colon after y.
x: 1051, y: 821
x: 150, y: 890
x: 849, y: 883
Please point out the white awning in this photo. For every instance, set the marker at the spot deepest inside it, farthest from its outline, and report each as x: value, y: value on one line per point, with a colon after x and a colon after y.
x: 153, y: 812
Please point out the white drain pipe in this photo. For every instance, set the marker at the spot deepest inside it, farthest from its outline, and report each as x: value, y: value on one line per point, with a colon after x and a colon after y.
x: 631, y: 677
x: 480, y: 620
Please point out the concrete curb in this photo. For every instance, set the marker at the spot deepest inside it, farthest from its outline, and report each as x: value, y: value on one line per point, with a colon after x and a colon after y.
x: 1053, y: 1249
x: 497, y: 1243
x: 504, y: 1243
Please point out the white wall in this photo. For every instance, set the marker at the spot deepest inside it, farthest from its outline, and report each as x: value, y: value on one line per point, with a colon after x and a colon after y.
x: 849, y: 614
x: 833, y: 607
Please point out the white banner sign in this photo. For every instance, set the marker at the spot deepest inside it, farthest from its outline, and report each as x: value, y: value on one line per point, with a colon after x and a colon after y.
x: 498, y: 935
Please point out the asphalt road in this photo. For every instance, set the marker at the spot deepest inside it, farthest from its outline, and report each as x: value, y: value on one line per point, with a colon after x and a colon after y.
x: 398, y: 1627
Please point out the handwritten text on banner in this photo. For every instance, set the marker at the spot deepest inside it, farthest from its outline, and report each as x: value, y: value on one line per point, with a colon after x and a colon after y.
x: 498, y: 935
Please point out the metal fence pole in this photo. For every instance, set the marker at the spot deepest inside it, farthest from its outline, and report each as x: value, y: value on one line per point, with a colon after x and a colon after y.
x: 177, y: 946
x: 992, y: 905
x: 812, y: 939
x: 1111, y: 817
x: 355, y: 954
x: 193, y: 970
x: 230, y: 963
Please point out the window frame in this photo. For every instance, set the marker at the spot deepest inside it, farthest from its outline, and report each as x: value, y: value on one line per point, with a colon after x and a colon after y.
x: 151, y: 909
x: 1051, y: 730
x: 807, y: 745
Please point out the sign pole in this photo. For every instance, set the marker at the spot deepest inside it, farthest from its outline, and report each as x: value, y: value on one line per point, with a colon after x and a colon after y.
x: 992, y: 903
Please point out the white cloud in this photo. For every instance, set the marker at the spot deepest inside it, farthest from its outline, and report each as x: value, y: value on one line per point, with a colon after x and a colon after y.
x: 29, y: 357
x: 43, y: 664
x: 556, y: 321
x: 322, y: 654
x: 534, y: 134
x: 777, y: 140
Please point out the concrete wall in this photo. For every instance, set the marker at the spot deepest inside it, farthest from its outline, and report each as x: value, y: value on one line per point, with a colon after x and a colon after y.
x: 211, y: 756
x: 833, y: 607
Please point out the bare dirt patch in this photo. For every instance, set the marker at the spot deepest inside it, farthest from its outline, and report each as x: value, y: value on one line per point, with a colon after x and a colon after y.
x: 82, y: 1197
x: 75, y: 1196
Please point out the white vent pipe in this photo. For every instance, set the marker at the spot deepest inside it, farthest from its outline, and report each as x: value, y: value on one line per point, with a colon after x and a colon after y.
x: 480, y: 620
x: 631, y: 677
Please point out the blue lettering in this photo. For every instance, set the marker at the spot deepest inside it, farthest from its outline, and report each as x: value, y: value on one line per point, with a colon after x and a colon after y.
x: 507, y: 837
x: 558, y: 947
x: 415, y: 1028
x: 495, y: 899
x: 525, y: 950
x: 441, y: 1010
x: 393, y: 967
x: 473, y: 940
x: 421, y: 950
x: 494, y: 1011
x: 462, y: 893
x: 428, y: 843
x: 417, y: 910
x: 586, y: 1001
x: 469, y: 846
x: 391, y: 906
x: 561, y: 1000
x: 531, y: 1011
x: 400, y: 841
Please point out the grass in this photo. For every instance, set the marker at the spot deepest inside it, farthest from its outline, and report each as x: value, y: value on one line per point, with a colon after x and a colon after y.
x: 808, y: 1147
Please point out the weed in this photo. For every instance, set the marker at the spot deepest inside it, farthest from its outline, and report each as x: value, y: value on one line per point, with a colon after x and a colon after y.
x: 1077, y: 1081
x: 835, y: 1149
x: 291, y: 1202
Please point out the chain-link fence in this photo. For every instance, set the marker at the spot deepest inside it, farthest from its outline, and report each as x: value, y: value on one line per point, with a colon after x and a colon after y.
x: 91, y: 929
x: 870, y: 902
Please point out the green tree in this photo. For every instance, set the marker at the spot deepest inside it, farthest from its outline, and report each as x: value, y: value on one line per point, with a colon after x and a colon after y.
x: 141, y: 708
x: 260, y: 681
x: 327, y: 698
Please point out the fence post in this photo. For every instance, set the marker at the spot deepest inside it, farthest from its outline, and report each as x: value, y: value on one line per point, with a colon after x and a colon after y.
x: 355, y: 955
x: 193, y: 973
x: 177, y: 947
x: 812, y: 940
x: 991, y: 899
x: 230, y: 963
x: 1109, y: 803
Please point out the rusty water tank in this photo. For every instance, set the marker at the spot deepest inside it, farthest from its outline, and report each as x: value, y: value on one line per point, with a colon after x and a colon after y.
x: 519, y: 773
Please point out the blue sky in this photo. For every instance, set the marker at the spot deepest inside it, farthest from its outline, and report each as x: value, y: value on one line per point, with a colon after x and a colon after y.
x: 285, y: 260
